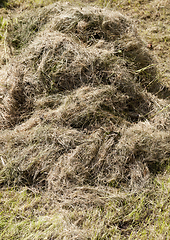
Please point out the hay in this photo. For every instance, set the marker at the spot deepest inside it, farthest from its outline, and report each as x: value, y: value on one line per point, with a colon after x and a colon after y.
x: 76, y: 104
x: 41, y: 155
x: 16, y: 101
x: 92, y: 108
x: 21, y: 30
x: 90, y: 26
x: 61, y: 59
x: 54, y: 63
x: 114, y: 159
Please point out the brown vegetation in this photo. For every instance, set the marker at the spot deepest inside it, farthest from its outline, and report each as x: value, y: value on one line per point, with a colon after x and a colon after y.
x: 82, y: 112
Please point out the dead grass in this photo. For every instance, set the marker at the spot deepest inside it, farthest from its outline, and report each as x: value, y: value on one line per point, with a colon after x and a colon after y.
x: 94, y: 213
x: 59, y: 61
x: 84, y: 128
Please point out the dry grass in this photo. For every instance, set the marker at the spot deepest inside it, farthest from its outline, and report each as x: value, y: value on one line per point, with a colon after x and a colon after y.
x: 55, y: 62
x: 86, y: 213
x: 84, y: 128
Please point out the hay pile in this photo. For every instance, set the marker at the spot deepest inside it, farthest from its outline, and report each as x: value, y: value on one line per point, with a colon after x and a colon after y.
x: 79, y: 103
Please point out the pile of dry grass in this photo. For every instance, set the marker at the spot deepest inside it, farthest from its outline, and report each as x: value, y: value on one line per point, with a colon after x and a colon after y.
x: 39, y: 154
x: 78, y: 104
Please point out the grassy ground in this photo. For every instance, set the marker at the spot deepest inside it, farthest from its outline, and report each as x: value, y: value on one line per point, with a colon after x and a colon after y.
x: 84, y: 159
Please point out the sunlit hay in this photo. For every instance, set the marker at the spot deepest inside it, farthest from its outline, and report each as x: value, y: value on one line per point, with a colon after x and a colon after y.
x: 60, y: 65
x: 55, y: 58
x: 143, y: 148
x: 90, y: 108
x: 33, y: 151
x: 40, y: 154
x: 84, y: 138
x: 74, y: 168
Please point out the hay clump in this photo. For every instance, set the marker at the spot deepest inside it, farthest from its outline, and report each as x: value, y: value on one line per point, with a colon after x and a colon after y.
x: 106, y: 105
x: 90, y: 26
x: 114, y: 29
x: 59, y: 65
x: 16, y: 98
x: 59, y: 157
x: 129, y: 157
x: 93, y: 27
x: 56, y: 61
x: 32, y: 150
x: 72, y: 97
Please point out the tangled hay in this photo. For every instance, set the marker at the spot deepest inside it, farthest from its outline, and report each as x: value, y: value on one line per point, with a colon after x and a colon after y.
x: 130, y: 156
x: 78, y: 105
x: 41, y: 155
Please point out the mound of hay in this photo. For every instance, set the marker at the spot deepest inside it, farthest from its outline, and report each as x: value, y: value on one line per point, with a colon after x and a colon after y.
x: 38, y: 154
x: 77, y: 105
x: 114, y: 159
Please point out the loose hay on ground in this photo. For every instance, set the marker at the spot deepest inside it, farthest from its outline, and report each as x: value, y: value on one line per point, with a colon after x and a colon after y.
x: 74, y: 99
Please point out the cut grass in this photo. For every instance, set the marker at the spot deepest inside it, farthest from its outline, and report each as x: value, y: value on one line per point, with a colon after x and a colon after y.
x: 27, y: 214
x: 84, y: 139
